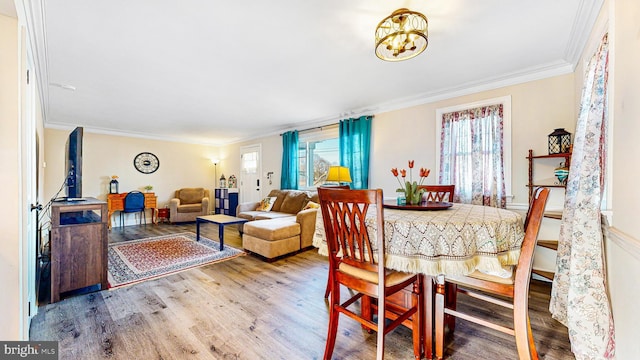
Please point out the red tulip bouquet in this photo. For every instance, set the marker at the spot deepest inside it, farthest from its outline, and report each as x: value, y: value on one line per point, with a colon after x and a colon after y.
x: 412, y: 193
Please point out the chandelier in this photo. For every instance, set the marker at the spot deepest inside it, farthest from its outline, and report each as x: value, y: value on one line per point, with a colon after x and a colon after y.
x: 401, y: 35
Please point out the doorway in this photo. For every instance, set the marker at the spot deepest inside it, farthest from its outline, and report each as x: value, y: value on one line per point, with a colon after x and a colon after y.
x: 250, y: 169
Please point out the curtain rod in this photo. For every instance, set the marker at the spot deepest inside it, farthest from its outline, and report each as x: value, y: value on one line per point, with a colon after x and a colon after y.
x: 317, y: 127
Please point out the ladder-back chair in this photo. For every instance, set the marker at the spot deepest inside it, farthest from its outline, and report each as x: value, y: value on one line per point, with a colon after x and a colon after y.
x: 356, y: 261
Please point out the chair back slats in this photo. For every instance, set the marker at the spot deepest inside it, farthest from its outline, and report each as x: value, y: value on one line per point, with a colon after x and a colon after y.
x: 354, y: 231
x: 348, y: 238
x: 438, y: 192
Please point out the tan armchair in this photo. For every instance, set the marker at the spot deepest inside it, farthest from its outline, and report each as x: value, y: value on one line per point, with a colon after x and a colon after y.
x: 188, y: 204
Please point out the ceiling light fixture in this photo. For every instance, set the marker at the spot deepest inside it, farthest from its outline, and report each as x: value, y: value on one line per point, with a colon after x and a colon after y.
x: 402, y: 35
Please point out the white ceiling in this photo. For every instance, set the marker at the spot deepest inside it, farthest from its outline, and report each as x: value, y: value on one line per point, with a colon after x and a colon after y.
x: 216, y: 72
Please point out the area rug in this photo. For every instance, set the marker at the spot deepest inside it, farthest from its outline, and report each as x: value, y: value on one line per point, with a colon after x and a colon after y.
x: 139, y: 260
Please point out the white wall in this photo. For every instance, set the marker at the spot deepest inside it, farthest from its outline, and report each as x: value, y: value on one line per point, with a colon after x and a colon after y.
x: 181, y: 165
x: 538, y: 107
x: 10, y: 236
x: 623, y: 245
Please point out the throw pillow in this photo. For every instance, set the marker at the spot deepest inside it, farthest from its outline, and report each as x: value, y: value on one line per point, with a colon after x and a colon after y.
x: 311, y: 205
x: 266, y: 204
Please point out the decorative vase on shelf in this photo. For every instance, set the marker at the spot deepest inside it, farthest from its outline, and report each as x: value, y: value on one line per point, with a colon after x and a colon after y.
x: 562, y: 173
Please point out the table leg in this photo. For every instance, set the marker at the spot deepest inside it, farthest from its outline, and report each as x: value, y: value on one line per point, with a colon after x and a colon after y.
x: 221, y: 235
x: 427, y: 310
x: 198, y: 230
x: 109, y: 214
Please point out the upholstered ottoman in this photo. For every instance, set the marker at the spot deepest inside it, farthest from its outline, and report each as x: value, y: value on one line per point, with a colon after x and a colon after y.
x: 272, y: 238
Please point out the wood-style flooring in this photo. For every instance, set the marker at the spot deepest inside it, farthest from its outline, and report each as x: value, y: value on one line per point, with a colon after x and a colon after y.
x: 246, y: 308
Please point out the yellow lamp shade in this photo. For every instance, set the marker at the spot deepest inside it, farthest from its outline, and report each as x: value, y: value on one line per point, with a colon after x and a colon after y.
x: 339, y: 174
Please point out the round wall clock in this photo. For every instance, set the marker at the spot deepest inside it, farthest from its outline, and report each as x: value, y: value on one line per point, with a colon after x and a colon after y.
x: 146, y: 162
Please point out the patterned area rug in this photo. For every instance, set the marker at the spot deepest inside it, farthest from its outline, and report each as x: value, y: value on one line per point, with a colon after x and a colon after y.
x: 139, y: 260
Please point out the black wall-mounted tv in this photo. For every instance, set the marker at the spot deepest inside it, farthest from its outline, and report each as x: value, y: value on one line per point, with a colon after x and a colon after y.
x: 73, y: 159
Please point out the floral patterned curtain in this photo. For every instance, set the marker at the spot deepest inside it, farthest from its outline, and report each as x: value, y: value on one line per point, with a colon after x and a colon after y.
x: 579, y: 296
x: 472, y: 155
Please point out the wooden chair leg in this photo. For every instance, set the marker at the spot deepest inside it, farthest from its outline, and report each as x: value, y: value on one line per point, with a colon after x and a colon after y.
x: 439, y: 317
x: 522, y: 328
x: 427, y: 316
x: 451, y: 297
x: 333, y: 325
x: 328, y: 289
x: 418, y: 299
x: 366, y: 305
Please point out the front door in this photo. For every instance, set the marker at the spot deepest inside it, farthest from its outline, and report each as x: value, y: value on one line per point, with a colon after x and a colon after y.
x: 250, y: 169
x: 28, y: 175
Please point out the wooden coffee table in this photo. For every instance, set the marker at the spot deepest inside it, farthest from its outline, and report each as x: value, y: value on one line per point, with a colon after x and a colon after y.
x: 221, y: 221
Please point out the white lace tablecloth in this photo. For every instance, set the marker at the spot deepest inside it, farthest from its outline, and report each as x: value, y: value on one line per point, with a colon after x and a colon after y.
x: 458, y: 240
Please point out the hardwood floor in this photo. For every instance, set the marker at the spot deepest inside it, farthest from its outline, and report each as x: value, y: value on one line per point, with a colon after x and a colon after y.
x: 249, y: 309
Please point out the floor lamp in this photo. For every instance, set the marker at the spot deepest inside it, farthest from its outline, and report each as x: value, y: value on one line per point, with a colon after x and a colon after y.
x: 215, y: 172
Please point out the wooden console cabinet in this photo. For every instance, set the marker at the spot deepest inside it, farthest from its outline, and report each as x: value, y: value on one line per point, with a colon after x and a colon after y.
x: 78, y: 245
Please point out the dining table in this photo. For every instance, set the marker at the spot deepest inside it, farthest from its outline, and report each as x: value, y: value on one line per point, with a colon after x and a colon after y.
x: 453, y: 240
x: 450, y: 239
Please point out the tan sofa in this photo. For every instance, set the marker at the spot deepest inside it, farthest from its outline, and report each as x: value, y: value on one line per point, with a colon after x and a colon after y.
x: 188, y: 204
x: 287, y: 228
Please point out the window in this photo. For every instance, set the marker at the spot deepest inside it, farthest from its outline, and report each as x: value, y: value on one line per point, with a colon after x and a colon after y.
x: 317, y: 150
x: 474, y: 151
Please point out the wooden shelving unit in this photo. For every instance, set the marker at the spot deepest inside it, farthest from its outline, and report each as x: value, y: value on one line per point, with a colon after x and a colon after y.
x: 549, y: 244
x: 531, y: 185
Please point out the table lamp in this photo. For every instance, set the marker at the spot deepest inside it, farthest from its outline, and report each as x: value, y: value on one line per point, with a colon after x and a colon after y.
x: 339, y: 174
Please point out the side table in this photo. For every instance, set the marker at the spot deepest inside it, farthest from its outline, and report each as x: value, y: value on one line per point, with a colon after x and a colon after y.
x: 163, y: 215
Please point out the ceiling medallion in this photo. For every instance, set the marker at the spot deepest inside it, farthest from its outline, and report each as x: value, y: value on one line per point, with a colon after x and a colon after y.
x: 402, y: 35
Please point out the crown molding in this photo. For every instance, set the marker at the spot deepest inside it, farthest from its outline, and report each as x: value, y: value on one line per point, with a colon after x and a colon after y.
x: 514, y: 78
x: 103, y: 131
x: 583, y: 23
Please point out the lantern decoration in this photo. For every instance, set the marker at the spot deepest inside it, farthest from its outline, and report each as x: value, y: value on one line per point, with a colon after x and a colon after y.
x: 559, y: 142
x: 223, y: 182
x: 113, y: 185
x: 233, y: 182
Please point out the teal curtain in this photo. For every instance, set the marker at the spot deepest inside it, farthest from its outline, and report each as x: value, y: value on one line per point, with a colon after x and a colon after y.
x: 289, y: 174
x: 355, y: 144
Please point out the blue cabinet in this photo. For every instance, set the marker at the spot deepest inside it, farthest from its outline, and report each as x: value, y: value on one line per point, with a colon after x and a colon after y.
x: 226, y: 201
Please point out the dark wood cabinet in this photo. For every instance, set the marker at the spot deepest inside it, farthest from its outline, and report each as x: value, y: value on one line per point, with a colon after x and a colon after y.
x: 78, y: 245
x: 226, y: 201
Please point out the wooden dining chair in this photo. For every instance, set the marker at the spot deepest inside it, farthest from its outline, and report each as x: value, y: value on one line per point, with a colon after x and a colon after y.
x: 327, y: 290
x: 486, y: 287
x: 438, y: 192
x: 355, y: 252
